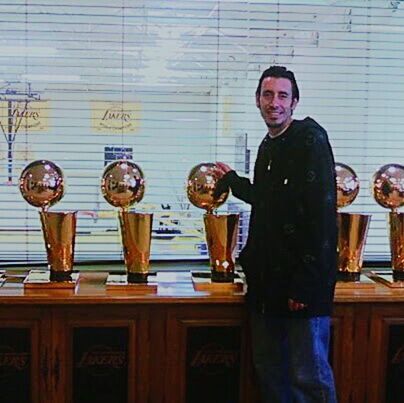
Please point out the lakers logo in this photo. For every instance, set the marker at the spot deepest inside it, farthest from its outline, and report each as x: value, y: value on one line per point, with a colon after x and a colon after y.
x: 101, y: 360
x: 214, y: 358
x: 12, y: 361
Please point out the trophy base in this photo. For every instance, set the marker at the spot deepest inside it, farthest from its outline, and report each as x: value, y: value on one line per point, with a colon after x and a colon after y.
x: 203, y: 281
x: 43, y: 279
x: 222, y: 277
x: 60, y: 275
x: 138, y: 278
x: 362, y: 282
x: 117, y: 281
x: 387, y: 278
x: 348, y: 276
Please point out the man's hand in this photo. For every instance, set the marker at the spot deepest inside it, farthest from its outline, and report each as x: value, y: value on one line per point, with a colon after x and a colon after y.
x: 295, y: 306
x: 224, y: 167
x: 221, y: 185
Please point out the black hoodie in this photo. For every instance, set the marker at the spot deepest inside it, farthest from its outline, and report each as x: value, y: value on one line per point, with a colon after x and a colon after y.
x: 292, y: 242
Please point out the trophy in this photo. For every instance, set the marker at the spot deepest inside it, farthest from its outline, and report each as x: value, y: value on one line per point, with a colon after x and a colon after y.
x: 352, y: 228
x: 221, y: 230
x: 388, y: 191
x: 42, y: 185
x: 122, y: 185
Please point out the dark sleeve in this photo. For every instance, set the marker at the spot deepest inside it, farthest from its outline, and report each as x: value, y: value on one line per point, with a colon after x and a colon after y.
x: 316, y: 226
x: 240, y: 187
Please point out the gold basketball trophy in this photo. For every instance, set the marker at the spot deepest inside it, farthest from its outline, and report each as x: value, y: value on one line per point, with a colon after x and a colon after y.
x: 123, y: 185
x: 42, y: 185
x: 388, y: 191
x: 352, y: 228
x: 221, y: 230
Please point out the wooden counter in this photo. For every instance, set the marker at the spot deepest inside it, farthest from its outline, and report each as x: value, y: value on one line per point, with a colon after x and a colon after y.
x: 176, y: 345
x: 91, y: 289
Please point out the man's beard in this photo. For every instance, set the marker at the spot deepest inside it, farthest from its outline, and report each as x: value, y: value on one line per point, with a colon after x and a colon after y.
x: 274, y: 125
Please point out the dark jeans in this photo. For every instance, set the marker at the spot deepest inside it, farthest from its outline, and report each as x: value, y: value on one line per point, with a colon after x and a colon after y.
x: 291, y: 359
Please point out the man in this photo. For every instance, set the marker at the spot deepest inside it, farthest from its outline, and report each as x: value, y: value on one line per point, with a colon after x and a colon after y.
x: 290, y: 256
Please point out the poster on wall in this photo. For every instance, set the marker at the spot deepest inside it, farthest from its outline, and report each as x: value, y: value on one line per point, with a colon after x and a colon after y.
x: 115, y: 117
x: 24, y: 116
x: 19, y: 114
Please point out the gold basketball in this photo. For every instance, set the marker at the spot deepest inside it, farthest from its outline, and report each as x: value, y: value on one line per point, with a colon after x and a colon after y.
x: 201, y: 184
x: 42, y: 183
x: 388, y: 186
x: 347, y: 184
x: 122, y: 183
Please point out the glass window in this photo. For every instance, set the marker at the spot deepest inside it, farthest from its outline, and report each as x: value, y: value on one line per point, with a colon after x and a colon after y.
x: 171, y: 84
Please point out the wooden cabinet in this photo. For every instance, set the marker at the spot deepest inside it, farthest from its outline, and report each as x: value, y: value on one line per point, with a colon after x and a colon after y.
x: 176, y: 346
x: 74, y: 346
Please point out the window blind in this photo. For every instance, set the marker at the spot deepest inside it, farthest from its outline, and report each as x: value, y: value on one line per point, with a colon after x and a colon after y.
x: 170, y: 85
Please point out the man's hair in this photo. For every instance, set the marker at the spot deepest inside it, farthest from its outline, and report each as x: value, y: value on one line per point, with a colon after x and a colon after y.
x: 279, y: 72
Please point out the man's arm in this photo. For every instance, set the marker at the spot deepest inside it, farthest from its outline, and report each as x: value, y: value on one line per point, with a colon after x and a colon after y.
x: 240, y: 187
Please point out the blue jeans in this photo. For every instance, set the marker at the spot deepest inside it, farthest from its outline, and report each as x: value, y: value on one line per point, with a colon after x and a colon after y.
x: 291, y: 359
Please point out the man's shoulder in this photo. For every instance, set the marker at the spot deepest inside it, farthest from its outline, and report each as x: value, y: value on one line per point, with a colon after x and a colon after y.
x: 308, y: 124
x: 309, y: 131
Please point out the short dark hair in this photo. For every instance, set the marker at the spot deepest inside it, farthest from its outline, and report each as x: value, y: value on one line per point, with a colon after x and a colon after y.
x: 279, y: 72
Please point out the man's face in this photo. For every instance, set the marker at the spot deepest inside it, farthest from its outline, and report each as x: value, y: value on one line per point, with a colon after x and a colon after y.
x: 275, y: 103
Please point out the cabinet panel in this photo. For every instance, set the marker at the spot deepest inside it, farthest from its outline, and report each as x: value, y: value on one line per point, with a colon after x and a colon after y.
x: 395, y: 363
x: 15, y: 364
x: 349, y: 352
x: 24, y: 360
x: 386, y: 366
x: 212, y: 367
x: 99, y: 359
x: 100, y: 364
x: 206, y: 356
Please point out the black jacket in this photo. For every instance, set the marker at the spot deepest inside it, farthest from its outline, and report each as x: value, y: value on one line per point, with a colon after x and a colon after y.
x: 292, y: 242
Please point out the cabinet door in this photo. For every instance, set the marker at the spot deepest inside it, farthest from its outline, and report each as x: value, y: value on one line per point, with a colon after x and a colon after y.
x: 206, y: 355
x: 24, y: 355
x: 96, y: 355
x: 348, y: 351
x: 386, y: 355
